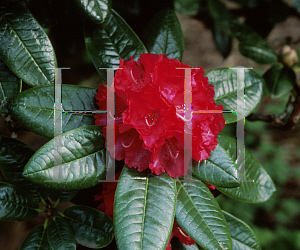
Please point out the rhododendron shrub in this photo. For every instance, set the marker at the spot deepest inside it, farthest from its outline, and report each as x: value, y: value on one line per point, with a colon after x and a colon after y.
x: 150, y: 110
x: 155, y: 186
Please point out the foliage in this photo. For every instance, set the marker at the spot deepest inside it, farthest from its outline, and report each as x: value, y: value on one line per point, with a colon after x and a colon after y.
x: 145, y: 205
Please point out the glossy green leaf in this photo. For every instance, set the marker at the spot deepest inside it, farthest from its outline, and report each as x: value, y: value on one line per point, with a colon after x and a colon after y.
x: 16, y: 204
x: 241, y: 234
x: 36, y: 240
x: 163, y: 35
x: 14, y: 155
x: 83, y: 160
x: 257, y: 52
x: 279, y: 80
x: 25, y: 47
x: 260, y: 188
x: 252, y: 45
x: 34, y: 108
x: 91, y: 227
x: 144, y: 210
x: 108, y: 45
x: 200, y: 216
x: 219, y: 169
x: 225, y: 83
x: 97, y: 10
x: 176, y: 244
x: 10, y: 85
x: 219, y: 13
x: 60, y: 235
x: 296, y: 4
x: 187, y: 7
x: 222, y: 40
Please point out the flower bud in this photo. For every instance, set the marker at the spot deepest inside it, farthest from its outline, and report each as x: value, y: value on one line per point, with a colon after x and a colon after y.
x: 288, y: 56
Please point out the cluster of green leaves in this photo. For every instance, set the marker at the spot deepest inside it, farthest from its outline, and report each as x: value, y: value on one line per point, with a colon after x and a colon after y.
x: 145, y: 205
x: 280, y: 79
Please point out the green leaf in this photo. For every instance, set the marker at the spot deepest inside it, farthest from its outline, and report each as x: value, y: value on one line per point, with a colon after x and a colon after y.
x: 163, y: 35
x: 187, y: 7
x: 219, y: 13
x: 219, y: 169
x: 36, y: 240
x: 91, y: 227
x: 225, y: 83
x: 108, y: 45
x: 252, y: 45
x: 222, y: 40
x: 60, y: 235
x: 14, y: 155
x: 241, y: 234
x: 10, y: 85
x: 34, y: 108
x: 257, y: 52
x: 262, y: 187
x: 82, y: 164
x: 296, y: 4
x: 200, y: 216
x: 25, y: 47
x: 279, y: 80
x: 16, y: 204
x: 97, y: 10
x: 144, y: 210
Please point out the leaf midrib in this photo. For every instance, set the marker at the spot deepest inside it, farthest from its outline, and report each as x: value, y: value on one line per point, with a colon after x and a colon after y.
x: 26, y: 49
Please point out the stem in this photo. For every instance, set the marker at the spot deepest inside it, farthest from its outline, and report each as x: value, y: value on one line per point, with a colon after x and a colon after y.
x: 56, y: 203
x: 41, y: 210
x: 46, y: 223
x: 60, y: 213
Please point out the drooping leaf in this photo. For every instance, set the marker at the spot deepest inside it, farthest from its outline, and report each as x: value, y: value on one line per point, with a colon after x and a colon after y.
x: 82, y: 162
x: 219, y: 169
x: 252, y: 45
x: 200, y: 216
x: 25, y: 47
x: 279, y: 80
x: 144, y: 210
x: 14, y: 155
x: 163, y: 35
x: 241, y: 234
x: 34, y: 108
x: 222, y: 40
x: 36, y: 240
x: 108, y: 45
x: 60, y: 235
x: 187, y: 7
x: 226, y: 86
x: 220, y: 14
x: 91, y: 227
x: 257, y: 185
x: 97, y: 10
x: 16, y: 204
x: 10, y: 85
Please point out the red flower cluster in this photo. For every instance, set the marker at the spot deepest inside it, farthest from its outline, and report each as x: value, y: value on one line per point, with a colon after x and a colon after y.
x: 149, y: 114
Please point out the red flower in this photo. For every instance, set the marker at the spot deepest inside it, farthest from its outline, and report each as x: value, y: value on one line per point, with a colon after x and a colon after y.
x: 149, y: 114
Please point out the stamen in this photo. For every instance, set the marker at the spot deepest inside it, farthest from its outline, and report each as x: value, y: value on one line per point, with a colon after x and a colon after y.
x: 182, y: 118
x: 132, y: 76
x: 169, y: 149
x: 207, y: 134
x: 149, y: 125
x: 127, y: 146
